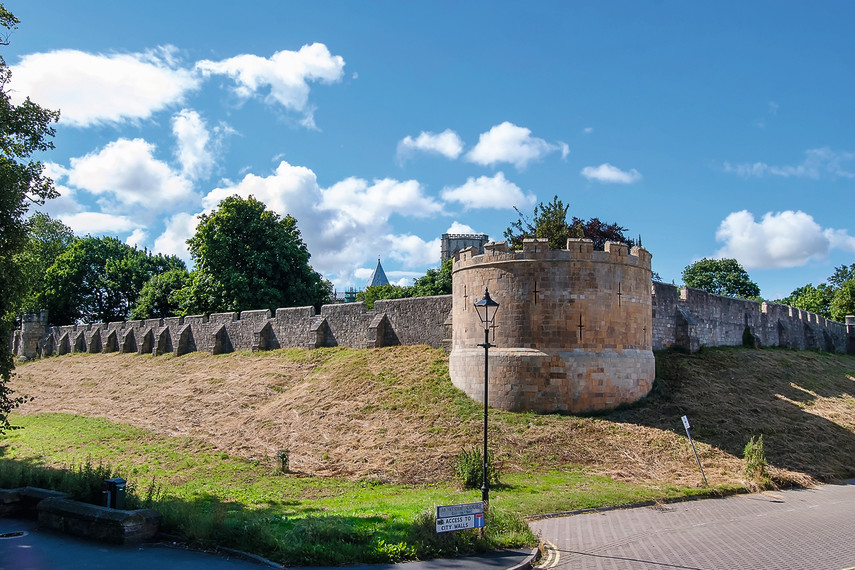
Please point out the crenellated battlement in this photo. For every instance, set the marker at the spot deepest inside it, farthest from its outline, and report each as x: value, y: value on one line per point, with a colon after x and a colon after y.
x: 578, y: 249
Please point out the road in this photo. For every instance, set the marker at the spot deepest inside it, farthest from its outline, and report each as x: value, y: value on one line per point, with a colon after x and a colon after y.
x: 794, y: 529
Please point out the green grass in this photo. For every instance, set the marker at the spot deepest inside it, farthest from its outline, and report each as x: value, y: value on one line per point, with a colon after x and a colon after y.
x: 212, y: 498
x: 551, y: 462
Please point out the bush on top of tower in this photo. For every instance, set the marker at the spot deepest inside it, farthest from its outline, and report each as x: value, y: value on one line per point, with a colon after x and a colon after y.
x: 550, y: 221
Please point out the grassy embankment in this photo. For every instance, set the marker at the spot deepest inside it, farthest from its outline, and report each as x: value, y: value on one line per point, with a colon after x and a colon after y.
x: 373, y: 436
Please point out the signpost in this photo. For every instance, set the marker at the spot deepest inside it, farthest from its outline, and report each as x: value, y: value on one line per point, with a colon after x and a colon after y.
x: 688, y: 427
x: 459, y: 517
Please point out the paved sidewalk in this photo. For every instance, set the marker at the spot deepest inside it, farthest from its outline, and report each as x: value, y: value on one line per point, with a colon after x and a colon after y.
x: 795, y: 529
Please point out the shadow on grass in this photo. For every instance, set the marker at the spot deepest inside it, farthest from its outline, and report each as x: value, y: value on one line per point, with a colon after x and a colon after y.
x: 732, y: 394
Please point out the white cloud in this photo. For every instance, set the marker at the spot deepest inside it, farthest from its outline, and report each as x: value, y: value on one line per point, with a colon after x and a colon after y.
x: 194, y: 146
x: 137, y: 237
x: 173, y: 241
x: 458, y: 228
x: 283, y: 78
x: 90, y: 89
x: 63, y: 205
x: 288, y: 190
x: 376, y: 200
x: 447, y: 143
x: 489, y: 192
x: 780, y: 239
x: 99, y: 223
x: 126, y: 175
x: 66, y: 203
x: 840, y: 239
x: 588, y: 130
x: 509, y: 143
x: 610, y: 174
x: 346, y: 225
x: 817, y: 162
x: 413, y: 251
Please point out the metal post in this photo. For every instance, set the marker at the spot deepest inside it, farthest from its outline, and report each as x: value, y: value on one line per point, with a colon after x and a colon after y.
x: 701, y: 467
x: 485, y: 487
x: 489, y: 308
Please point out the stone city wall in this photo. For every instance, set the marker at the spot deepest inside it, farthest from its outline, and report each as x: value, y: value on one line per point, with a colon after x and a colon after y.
x: 392, y: 322
x: 690, y: 318
x: 681, y: 317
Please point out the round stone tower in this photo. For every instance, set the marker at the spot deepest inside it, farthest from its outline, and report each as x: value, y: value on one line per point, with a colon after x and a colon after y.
x: 572, y: 333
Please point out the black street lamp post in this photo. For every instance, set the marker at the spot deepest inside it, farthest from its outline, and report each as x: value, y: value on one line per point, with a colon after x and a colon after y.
x: 486, y: 308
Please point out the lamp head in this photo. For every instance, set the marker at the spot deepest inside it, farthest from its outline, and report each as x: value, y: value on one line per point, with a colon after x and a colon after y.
x: 486, y: 308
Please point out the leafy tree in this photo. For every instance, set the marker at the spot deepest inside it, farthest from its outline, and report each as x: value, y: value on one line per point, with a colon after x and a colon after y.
x: 833, y: 300
x: 99, y: 279
x: 600, y: 232
x: 388, y: 291
x: 161, y: 295
x: 809, y: 298
x: 25, y: 130
x: 721, y: 277
x: 253, y: 259
x: 47, y: 240
x: 550, y: 221
x: 435, y: 281
x: 843, y: 302
x: 202, y: 295
x: 841, y: 275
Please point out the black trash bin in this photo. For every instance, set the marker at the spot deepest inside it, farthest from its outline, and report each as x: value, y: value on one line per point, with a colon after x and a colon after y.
x: 114, y: 492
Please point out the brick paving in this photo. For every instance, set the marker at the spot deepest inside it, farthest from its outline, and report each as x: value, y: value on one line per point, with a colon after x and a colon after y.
x: 795, y: 529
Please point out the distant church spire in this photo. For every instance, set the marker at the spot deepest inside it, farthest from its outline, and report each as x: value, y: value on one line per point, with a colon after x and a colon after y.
x: 378, y: 277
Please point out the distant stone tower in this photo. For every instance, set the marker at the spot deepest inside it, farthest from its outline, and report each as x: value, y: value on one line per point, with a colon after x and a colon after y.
x: 27, y: 343
x: 573, y: 331
x: 451, y: 243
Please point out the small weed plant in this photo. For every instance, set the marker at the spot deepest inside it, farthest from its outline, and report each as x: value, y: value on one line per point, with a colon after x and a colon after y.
x: 469, y: 468
x: 755, y: 461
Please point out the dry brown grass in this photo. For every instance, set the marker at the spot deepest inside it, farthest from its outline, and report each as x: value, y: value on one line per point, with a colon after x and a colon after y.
x: 391, y: 415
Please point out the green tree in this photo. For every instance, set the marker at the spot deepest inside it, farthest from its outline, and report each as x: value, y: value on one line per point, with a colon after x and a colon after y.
x: 721, y: 277
x: 388, y: 291
x: 202, y: 295
x: 99, y: 279
x: 47, y: 240
x: 25, y: 130
x: 843, y: 302
x: 161, y: 295
x: 435, y: 281
x: 809, y: 298
x: 833, y: 300
x: 550, y: 221
x: 841, y: 275
x: 251, y: 258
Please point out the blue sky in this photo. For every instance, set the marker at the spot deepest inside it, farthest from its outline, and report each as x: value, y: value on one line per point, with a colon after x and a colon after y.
x: 715, y: 130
